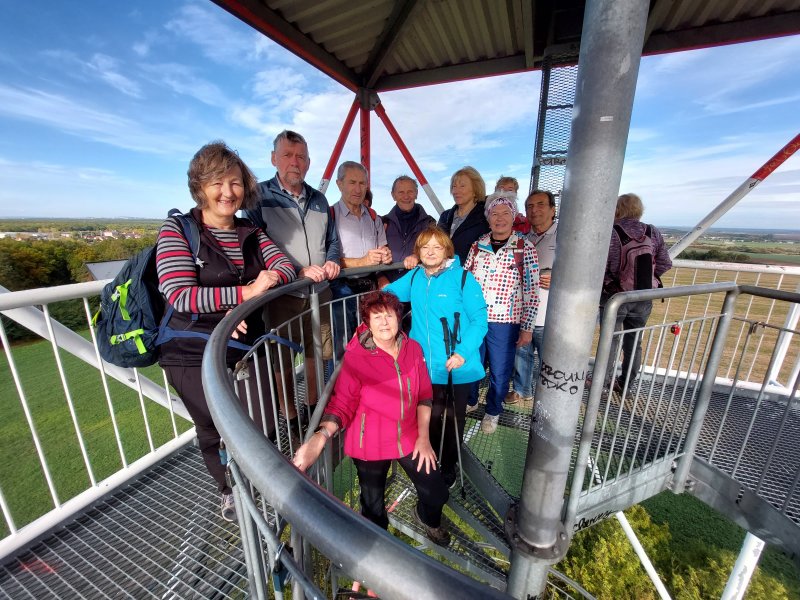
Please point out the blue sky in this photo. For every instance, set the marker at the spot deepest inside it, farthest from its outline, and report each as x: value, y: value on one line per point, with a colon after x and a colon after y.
x: 103, y: 104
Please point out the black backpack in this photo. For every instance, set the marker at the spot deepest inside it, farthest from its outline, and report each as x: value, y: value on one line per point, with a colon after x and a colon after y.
x: 128, y: 324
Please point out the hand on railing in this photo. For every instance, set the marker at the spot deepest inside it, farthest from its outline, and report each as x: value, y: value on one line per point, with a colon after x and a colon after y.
x: 308, y: 453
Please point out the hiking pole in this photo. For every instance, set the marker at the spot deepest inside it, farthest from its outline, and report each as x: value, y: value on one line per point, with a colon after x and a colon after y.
x: 451, y: 392
x: 447, y: 343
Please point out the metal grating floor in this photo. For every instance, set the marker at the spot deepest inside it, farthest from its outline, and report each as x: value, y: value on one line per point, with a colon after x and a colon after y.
x: 159, y: 537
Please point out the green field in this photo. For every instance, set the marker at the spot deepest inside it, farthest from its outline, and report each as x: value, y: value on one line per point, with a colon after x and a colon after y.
x: 774, y: 259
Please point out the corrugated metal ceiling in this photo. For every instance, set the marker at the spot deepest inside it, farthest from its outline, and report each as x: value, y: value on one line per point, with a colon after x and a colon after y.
x: 388, y: 44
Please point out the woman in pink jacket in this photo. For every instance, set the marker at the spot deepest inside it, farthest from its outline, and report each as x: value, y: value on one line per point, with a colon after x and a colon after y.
x: 382, y: 400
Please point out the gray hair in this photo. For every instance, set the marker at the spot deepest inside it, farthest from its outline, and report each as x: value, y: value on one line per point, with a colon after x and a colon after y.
x: 405, y: 178
x: 289, y: 136
x: 350, y: 164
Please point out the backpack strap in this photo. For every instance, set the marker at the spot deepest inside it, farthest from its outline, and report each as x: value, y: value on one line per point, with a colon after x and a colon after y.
x: 519, y: 258
x: 372, y: 214
x: 190, y: 231
x: 463, y: 277
x: 624, y: 238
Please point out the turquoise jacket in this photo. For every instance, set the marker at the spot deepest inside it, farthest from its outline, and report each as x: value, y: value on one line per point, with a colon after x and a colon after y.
x: 442, y: 296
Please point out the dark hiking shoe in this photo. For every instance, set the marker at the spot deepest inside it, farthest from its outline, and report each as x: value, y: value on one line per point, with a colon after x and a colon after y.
x: 438, y: 535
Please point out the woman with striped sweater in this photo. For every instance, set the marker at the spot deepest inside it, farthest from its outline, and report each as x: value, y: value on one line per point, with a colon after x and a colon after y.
x: 235, y: 261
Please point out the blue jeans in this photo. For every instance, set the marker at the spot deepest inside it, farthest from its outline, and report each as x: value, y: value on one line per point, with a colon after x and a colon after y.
x: 527, y: 364
x: 501, y: 347
x: 633, y: 315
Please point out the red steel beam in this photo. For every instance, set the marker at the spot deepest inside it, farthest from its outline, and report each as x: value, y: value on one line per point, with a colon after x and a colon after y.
x: 337, y: 148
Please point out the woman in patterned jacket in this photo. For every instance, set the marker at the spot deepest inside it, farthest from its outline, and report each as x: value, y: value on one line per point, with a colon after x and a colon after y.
x: 505, y: 264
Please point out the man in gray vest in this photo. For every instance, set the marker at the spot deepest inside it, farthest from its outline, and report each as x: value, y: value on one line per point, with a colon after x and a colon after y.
x: 296, y: 217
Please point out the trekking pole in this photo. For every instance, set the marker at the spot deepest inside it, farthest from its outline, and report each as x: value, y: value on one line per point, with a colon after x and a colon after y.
x: 452, y: 394
x: 447, y: 343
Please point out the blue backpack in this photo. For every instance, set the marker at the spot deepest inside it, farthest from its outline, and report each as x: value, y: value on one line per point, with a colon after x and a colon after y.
x: 128, y: 324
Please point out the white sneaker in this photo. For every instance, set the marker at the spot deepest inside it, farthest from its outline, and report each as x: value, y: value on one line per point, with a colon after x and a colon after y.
x: 489, y: 423
x: 228, y: 508
x: 472, y: 407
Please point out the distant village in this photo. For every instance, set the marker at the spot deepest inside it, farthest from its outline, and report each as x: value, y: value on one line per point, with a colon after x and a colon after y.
x: 87, y: 236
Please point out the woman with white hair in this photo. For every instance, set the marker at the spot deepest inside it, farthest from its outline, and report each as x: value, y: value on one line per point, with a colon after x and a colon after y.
x: 505, y: 264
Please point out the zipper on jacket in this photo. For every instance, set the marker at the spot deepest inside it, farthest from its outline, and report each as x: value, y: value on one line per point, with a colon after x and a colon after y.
x: 400, y: 385
x: 408, y: 384
x: 361, y: 434
x: 399, y: 438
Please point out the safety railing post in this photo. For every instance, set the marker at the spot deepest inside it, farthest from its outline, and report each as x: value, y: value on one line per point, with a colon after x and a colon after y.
x: 256, y: 574
x: 704, y: 396
x: 319, y: 363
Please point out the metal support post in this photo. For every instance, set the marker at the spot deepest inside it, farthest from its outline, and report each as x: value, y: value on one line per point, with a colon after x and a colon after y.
x: 366, y: 105
x: 704, y: 396
x: 337, y: 148
x: 612, y: 38
x: 381, y: 112
x: 747, y: 186
x: 642, y: 554
x: 744, y: 568
x: 784, y: 342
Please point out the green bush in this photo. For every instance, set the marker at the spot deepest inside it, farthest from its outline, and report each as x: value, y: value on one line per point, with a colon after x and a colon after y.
x: 603, y: 561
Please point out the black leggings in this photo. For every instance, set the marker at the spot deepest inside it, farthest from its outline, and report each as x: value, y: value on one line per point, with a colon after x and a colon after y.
x: 189, y: 386
x: 461, y: 392
x: 432, y: 493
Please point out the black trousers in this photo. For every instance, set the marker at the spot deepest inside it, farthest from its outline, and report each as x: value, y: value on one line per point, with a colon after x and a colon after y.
x: 432, y: 493
x: 189, y: 386
x: 461, y: 393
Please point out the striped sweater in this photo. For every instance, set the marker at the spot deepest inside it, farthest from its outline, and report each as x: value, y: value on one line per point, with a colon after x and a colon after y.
x: 177, y: 271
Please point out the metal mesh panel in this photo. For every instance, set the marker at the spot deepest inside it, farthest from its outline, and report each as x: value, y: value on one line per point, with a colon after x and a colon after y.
x: 559, y: 77
x: 160, y: 537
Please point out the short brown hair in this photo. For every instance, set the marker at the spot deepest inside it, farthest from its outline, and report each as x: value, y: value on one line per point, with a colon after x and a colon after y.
x: 212, y: 161
x: 629, y: 206
x: 439, y: 236
x: 478, y: 185
x: 377, y: 301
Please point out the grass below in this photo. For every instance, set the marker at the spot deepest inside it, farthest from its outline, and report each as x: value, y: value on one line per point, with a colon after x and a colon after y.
x: 22, y: 478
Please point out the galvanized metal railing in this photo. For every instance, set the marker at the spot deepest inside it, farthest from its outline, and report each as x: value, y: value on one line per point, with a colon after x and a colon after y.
x: 765, y: 353
x: 748, y: 309
x: 672, y: 427
x: 116, y: 431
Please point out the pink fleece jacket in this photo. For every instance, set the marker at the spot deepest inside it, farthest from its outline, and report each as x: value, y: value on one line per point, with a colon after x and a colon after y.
x: 375, y: 398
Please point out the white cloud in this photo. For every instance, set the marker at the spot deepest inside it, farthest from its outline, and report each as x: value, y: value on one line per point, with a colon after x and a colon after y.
x: 63, y: 190
x: 61, y: 113
x: 680, y: 188
x: 106, y: 69
x: 220, y: 39
x: 182, y: 79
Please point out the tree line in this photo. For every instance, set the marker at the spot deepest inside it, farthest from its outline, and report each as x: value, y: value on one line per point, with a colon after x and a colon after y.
x: 34, y: 264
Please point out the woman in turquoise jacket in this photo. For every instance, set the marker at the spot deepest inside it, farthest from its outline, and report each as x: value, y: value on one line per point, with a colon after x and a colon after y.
x: 440, y: 289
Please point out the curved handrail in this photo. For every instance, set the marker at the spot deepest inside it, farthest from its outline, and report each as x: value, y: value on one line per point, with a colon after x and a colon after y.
x: 352, y: 543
